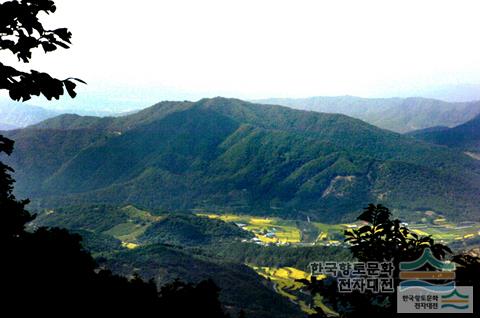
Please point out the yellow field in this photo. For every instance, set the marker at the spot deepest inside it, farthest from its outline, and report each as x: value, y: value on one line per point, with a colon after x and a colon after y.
x: 260, y: 221
x: 274, y: 230
x: 285, y: 284
x: 323, y: 236
x: 420, y: 232
x: 223, y: 217
x: 281, y: 231
x: 129, y: 245
x: 286, y: 273
x: 284, y: 279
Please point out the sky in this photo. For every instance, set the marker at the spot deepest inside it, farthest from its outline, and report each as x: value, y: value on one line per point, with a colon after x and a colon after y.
x: 136, y: 53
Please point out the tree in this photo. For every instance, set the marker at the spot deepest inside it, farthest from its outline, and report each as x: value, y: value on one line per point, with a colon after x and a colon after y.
x: 241, y: 314
x: 14, y: 215
x: 47, y: 271
x: 468, y: 267
x: 20, y: 33
x: 383, y: 240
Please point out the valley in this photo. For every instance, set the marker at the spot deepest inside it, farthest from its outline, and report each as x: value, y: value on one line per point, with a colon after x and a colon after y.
x: 239, y: 159
x: 464, y: 137
x: 244, y: 194
x: 278, y: 250
x: 293, y: 232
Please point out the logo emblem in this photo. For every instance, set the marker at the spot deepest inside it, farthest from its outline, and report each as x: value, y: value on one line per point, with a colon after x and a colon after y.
x: 428, y: 286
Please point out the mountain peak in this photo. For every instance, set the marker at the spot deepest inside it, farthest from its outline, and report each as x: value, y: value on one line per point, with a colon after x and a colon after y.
x: 228, y: 154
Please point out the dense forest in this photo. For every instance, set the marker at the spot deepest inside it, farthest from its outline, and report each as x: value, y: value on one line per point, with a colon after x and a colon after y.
x: 229, y: 155
x: 223, y: 208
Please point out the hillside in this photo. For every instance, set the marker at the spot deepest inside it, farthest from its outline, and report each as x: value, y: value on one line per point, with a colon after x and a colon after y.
x: 464, y: 137
x: 241, y: 287
x: 184, y: 230
x: 396, y: 114
x: 132, y: 225
x: 175, y: 246
x: 230, y: 155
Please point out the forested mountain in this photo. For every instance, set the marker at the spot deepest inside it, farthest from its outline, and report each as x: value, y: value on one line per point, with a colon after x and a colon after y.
x: 396, y: 114
x: 464, y: 137
x: 179, y: 246
x: 240, y: 286
x: 231, y: 155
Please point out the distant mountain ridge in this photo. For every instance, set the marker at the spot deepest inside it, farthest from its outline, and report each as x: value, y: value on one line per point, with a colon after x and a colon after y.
x: 396, y: 114
x: 14, y: 115
x: 7, y: 127
x: 229, y: 155
x: 464, y: 137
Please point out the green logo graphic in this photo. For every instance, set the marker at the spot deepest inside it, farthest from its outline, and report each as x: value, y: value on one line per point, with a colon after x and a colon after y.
x: 427, y: 258
x: 413, y: 276
x: 455, y: 300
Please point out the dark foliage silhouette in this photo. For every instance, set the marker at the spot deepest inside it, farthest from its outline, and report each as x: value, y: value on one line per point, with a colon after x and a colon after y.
x: 241, y: 314
x: 467, y: 270
x: 14, y: 215
x: 202, y: 299
x: 49, y: 270
x: 20, y: 33
x: 381, y: 239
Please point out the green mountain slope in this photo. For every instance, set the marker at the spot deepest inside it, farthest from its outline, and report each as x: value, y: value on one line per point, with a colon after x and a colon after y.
x: 241, y: 287
x: 464, y: 137
x: 184, y: 230
x: 396, y: 114
x: 172, y: 246
x: 231, y: 155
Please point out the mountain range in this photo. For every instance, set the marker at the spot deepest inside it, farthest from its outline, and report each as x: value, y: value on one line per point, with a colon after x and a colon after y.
x: 396, y: 114
x: 15, y: 115
x: 18, y: 115
x: 230, y: 155
x: 465, y: 137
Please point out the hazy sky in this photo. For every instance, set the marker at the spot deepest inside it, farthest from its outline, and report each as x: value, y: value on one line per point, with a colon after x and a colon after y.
x: 141, y: 51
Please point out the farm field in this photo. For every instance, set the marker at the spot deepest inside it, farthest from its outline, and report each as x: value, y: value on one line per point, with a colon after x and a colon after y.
x: 129, y: 232
x: 266, y: 229
x: 443, y: 230
x: 286, y: 283
x: 449, y: 232
x: 274, y: 230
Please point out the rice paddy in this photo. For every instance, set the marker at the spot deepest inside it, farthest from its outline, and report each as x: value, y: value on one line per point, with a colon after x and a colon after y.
x: 286, y: 283
x: 266, y: 230
x: 274, y: 230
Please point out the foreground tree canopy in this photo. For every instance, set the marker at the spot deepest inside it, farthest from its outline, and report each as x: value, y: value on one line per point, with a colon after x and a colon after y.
x: 384, y: 239
x: 47, y: 271
x: 20, y: 33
